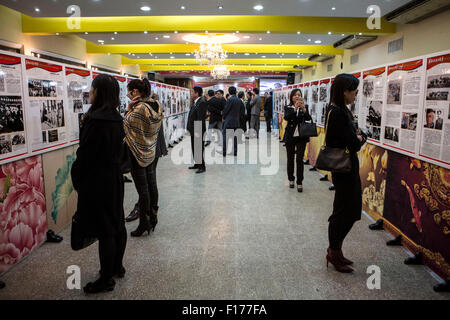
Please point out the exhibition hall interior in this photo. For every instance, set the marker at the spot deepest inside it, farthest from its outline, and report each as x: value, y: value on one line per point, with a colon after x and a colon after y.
x: 225, y: 150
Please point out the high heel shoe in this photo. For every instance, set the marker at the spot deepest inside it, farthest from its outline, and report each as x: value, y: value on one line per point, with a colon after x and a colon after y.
x: 341, y: 256
x: 154, y: 218
x: 144, y: 225
x: 333, y: 258
x: 100, y: 285
x: 300, y: 188
x: 291, y: 185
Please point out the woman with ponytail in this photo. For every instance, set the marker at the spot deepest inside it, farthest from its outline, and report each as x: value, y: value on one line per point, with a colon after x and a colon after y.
x: 142, y: 124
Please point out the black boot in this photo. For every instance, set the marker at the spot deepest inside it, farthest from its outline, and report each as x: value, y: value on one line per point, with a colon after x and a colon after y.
x: 101, y: 285
x: 154, y: 218
x: 144, y: 225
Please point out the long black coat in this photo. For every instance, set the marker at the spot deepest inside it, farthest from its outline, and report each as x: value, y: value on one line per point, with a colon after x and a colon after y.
x: 96, y: 174
x: 294, y: 121
x: 197, y: 113
x: 215, y: 107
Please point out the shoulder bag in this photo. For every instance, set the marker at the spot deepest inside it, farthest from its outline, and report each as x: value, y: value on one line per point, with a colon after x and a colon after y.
x: 308, y: 129
x: 333, y: 159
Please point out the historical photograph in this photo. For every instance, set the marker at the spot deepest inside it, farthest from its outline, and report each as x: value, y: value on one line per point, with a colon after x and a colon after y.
x: 18, y: 139
x: 439, y: 81
x: 323, y: 94
x: 391, y: 133
x: 373, y: 132
x: 5, y: 144
x: 11, y: 114
x: 409, y: 121
x: 315, y: 95
x: 438, y: 94
x: 74, y: 90
x: 77, y: 106
x: 2, y: 82
x: 374, y: 113
x: 41, y: 88
x: 394, y: 94
x: 305, y: 95
x: 52, y: 136
x: 368, y: 88
x: 44, y: 136
x: 86, y: 99
x: 433, y: 119
x: 52, y: 114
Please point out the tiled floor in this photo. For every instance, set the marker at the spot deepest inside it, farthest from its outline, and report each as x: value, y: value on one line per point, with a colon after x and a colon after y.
x: 230, y: 233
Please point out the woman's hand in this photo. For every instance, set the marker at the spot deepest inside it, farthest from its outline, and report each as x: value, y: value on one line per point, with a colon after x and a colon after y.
x: 300, y: 104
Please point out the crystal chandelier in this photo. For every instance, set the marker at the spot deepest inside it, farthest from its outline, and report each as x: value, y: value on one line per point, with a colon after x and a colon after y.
x: 220, y: 72
x: 211, y: 54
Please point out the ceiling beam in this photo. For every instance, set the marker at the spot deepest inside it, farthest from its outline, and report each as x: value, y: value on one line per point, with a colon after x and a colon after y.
x: 303, y: 62
x: 209, y: 68
x: 212, y: 23
x: 185, y: 48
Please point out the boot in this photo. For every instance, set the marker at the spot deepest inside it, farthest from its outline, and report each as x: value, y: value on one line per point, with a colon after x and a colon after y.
x: 333, y: 257
x: 144, y: 225
x: 134, y: 214
x: 341, y: 256
x: 154, y: 218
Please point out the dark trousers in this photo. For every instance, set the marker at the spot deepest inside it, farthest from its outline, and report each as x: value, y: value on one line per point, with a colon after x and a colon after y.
x: 347, y: 207
x: 295, y: 147
x: 269, y: 124
x: 235, y: 142
x: 197, y: 163
x: 145, y: 182
x: 111, y: 250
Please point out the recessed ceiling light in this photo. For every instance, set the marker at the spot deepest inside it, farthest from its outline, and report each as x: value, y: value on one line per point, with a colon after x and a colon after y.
x: 309, y: 39
x: 281, y: 42
x: 138, y: 57
x: 268, y: 31
x: 133, y: 54
x: 260, y: 39
x: 156, y: 38
x: 182, y: 7
x: 146, y: 8
x: 247, y: 37
x: 112, y: 38
x: 156, y: 57
x: 247, y: 54
x: 57, y: 33
x: 329, y: 32
x: 235, y: 53
x: 37, y: 9
x: 342, y: 34
x: 115, y: 32
x: 263, y: 56
x: 188, y: 54
x: 333, y: 8
x: 258, y: 7
x: 145, y: 32
x: 318, y: 41
x: 175, y: 32
x: 298, y: 32
x: 220, y: 7
x: 360, y: 33
x: 166, y: 36
x: 206, y: 31
x: 86, y: 33
x: 172, y: 57
x: 237, y: 31
x: 101, y: 41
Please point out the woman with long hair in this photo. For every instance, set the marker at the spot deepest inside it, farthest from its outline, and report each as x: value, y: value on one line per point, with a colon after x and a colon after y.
x: 97, y: 178
x: 142, y: 125
x: 295, y: 113
x: 342, y: 133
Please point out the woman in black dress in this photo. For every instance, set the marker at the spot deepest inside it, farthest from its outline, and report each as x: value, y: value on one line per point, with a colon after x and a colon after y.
x: 295, y: 114
x: 342, y: 133
x: 97, y: 178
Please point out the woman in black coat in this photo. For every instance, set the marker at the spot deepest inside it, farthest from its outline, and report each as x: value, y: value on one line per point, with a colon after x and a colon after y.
x: 97, y: 178
x: 341, y: 133
x: 295, y: 114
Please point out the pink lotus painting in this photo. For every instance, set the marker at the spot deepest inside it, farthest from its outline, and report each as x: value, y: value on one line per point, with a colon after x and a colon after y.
x: 23, y: 220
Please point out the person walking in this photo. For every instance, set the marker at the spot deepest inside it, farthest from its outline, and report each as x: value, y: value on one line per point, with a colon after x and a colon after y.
x: 197, y: 114
x: 215, y: 108
x: 341, y: 133
x: 268, y: 112
x: 232, y: 120
x: 142, y: 125
x: 97, y: 178
x: 255, y: 112
x: 295, y: 113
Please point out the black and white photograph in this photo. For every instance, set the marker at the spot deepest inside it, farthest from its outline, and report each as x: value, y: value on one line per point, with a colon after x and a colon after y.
x: 11, y: 114
x: 52, y: 114
x: 80, y: 120
x: 86, y: 99
x: 5, y: 144
x: 2, y: 82
x: 391, y: 133
x: 409, y: 121
x: 77, y: 106
x: 373, y: 132
x: 74, y: 90
x: 41, y: 88
x: 394, y: 92
x: 44, y: 136
x: 18, y: 139
x: 439, y: 81
x: 323, y: 94
x: 438, y: 94
x: 368, y: 88
x: 315, y: 95
x: 52, y: 136
x: 373, y: 117
x: 305, y: 95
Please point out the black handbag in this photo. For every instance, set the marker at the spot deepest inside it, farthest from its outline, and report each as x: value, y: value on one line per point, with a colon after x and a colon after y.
x: 308, y: 129
x: 333, y: 159
x: 78, y: 238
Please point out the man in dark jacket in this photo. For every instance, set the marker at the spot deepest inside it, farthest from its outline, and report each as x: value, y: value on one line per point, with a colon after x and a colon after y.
x: 231, y: 115
x: 268, y: 114
x: 248, y: 108
x: 197, y: 120
x: 215, y: 108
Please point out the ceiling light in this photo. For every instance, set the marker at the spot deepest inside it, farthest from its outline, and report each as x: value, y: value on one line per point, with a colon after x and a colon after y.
x: 145, y: 32
x: 57, y: 33
x: 260, y: 39
x: 175, y: 32
x: 182, y: 7
x: 171, y: 53
x: 247, y: 37
x: 309, y: 40
x: 329, y: 32
x: 115, y: 32
x: 133, y: 54
x: 156, y: 38
x: 298, y: 32
x: 188, y: 54
x: 206, y: 31
x: 333, y: 8
x: 156, y: 57
x: 138, y: 57
x: 37, y: 9
x: 146, y: 8
x: 263, y: 56
x: 281, y: 42
x: 247, y: 54
x: 237, y: 31
x: 343, y: 34
x: 172, y: 57
x: 112, y: 38
x: 268, y: 31
x: 258, y: 7
x: 360, y: 33
x: 220, y: 7
x: 318, y: 41
x: 86, y: 33
x: 101, y: 41
x: 166, y: 36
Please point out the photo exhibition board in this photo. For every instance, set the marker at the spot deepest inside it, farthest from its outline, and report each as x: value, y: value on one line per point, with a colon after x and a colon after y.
x: 324, y: 97
x: 78, y: 84
x: 314, y: 100
x: 355, y: 107
x: 46, y: 105
x: 13, y: 137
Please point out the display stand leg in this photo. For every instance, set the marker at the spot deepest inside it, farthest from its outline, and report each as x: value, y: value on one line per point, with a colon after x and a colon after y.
x: 416, y: 260
x: 443, y: 286
x: 395, y: 242
x: 377, y: 225
x: 313, y: 169
x: 2, y: 285
x: 324, y: 178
